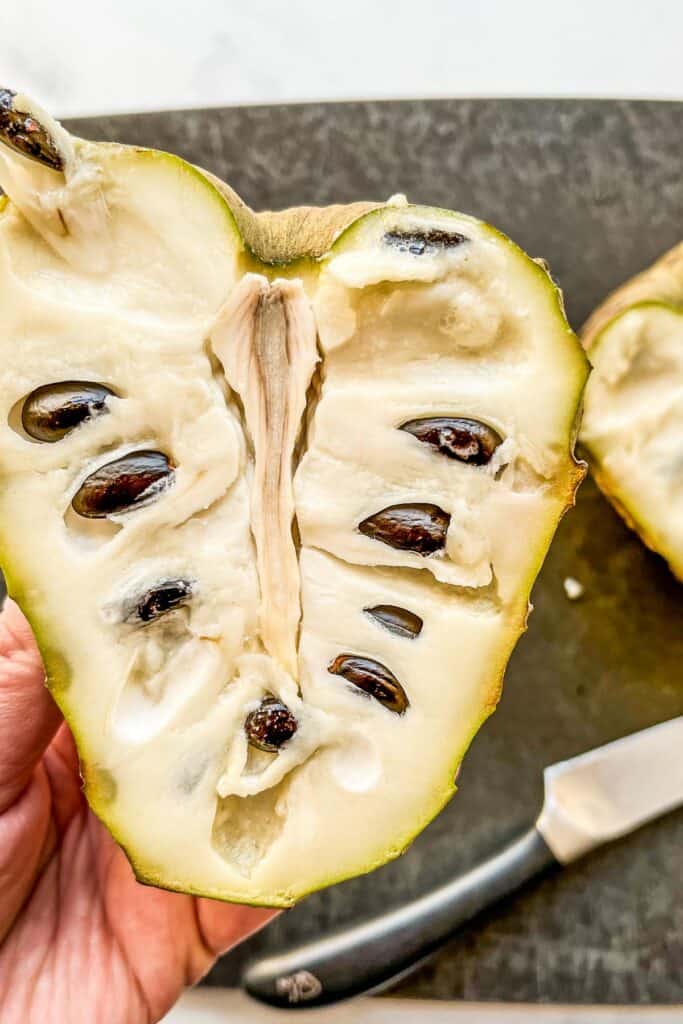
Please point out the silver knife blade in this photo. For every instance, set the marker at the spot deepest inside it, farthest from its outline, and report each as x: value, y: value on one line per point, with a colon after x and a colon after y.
x: 612, y: 790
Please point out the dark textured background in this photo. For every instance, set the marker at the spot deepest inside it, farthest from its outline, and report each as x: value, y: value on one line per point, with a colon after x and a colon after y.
x: 596, y: 188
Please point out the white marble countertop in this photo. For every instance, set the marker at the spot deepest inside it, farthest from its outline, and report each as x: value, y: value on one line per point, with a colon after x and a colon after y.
x: 228, y: 1006
x: 83, y: 58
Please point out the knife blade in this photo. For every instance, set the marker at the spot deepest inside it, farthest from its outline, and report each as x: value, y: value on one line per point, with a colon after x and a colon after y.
x: 612, y: 790
x: 589, y: 800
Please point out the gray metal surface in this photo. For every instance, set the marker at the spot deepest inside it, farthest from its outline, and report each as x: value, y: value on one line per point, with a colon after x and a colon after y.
x: 596, y: 188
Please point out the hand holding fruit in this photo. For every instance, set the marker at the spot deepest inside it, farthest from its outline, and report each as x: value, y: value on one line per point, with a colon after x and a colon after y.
x: 80, y: 940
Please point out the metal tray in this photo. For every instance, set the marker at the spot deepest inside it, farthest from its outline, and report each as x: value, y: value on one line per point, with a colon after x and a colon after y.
x: 596, y: 188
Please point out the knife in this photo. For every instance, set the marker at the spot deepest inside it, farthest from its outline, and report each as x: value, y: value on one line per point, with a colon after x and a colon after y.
x: 589, y: 800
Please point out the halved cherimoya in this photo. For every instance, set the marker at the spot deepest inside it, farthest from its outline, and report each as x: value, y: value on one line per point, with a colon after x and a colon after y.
x: 274, y: 489
x: 633, y: 422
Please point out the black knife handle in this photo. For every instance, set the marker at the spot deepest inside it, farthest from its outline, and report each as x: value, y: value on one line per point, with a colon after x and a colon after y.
x: 368, y: 956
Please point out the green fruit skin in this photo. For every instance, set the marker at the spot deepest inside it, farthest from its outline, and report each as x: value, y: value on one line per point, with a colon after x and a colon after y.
x: 100, y: 788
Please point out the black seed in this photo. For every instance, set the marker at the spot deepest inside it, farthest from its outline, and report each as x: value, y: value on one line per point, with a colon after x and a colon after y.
x: 417, y: 527
x: 53, y: 410
x: 22, y: 133
x: 396, y: 620
x: 373, y: 678
x: 125, y: 483
x: 165, y: 597
x: 419, y: 243
x: 270, y: 726
x: 466, y: 440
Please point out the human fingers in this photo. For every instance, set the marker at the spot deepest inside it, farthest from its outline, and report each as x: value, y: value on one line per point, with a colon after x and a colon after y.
x: 224, y: 925
x: 28, y: 715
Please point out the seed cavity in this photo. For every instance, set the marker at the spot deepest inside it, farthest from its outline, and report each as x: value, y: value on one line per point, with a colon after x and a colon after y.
x: 163, y: 598
x: 129, y: 482
x: 423, y: 243
x: 397, y: 620
x: 458, y: 438
x: 53, y: 410
x: 373, y: 678
x: 22, y: 133
x: 270, y: 726
x: 419, y: 527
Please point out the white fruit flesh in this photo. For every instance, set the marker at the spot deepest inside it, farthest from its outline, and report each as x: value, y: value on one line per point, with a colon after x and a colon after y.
x: 633, y: 417
x: 212, y: 357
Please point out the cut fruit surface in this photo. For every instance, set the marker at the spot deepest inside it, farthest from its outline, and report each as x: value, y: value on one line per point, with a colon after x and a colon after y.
x: 274, y: 489
x: 633, y: 418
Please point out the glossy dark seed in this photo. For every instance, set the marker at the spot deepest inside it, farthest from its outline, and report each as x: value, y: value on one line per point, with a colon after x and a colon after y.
x: 53, y: 410
x: 165, y: 597
x: 397, y: 620
x: 125, y: 483
x: 22, y: 133
x: 420, y: 243
x: 418, y: 527
x: 466, y: 440
x: 373, y: 678
x: 270, y: 726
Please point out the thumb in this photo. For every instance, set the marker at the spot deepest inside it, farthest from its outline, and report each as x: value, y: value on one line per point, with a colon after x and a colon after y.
x: 28, y: 715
